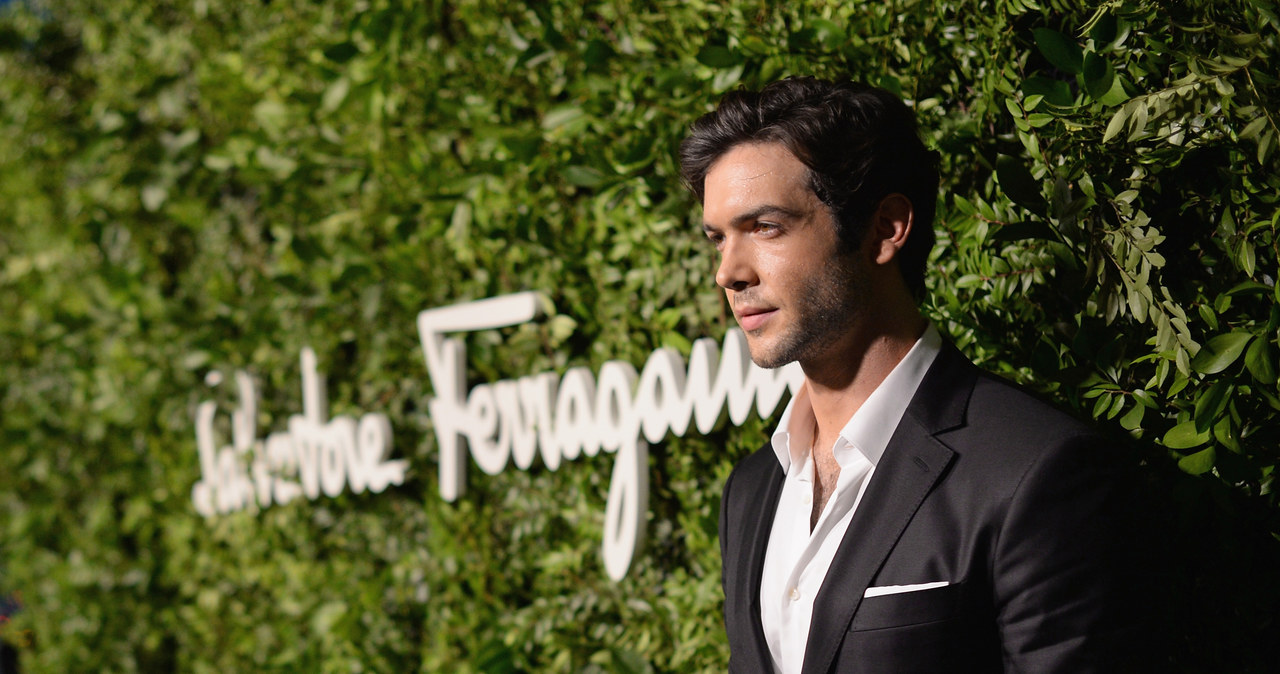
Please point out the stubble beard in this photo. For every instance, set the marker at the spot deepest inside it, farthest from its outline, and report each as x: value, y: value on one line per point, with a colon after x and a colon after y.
x: 827, y: 306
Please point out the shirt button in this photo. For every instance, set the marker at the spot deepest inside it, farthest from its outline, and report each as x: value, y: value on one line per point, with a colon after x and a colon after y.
x: 808, y: 497
x: 794, y: 594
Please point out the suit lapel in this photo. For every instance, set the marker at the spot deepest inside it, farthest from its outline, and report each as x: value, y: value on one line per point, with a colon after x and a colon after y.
x: 913, y: 462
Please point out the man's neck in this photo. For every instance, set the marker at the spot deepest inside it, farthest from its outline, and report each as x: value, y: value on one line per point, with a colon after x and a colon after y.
x: 840, y: 384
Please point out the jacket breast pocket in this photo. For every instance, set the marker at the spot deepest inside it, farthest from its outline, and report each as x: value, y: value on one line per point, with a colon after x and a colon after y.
x: 908, y: 608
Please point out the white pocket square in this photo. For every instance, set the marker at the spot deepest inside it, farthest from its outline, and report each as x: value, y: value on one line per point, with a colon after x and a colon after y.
x: 897, y: 589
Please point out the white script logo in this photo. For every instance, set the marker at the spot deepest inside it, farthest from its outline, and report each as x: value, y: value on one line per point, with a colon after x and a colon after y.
x: 565, y: 417
x: 557, y: 417
x: 327, y: 455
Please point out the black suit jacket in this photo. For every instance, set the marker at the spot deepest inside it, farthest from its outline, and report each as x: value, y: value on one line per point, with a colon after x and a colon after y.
x: 1004, y: 497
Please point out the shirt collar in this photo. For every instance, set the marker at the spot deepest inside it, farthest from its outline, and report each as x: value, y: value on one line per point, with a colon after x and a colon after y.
x: 869, y: 429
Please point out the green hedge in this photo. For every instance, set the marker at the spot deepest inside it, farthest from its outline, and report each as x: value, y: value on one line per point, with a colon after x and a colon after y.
x: 210, y: 186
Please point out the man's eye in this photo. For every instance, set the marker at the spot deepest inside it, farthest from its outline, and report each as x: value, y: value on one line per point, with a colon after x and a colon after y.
x: 767, y: 228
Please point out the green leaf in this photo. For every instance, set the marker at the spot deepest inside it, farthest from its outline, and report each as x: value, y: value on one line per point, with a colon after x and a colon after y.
x: 1014, y: 109
x: 279, y: 165
x: 826, y: 33
x: 1210, y: 403
x: 335, y: 94
x: 1248, y: 258
x: 1040, y: 120
x: 561, y: 327
x: 1061, y: 51
x: 218, y: 163
x: 460, y: 220
x: 891, y: 84
x: 1132, y: 419
x: 1253, y: 128
x: 154, y: 196
x: 1100, y: 406
x: 1098, y: 76
x: 727, y: 77
x: 1016, y: 181
x: 597, y: 53
x: 1266, y: 143
x: 1116, y: 406
x: 629, y: 662
x: 272, y: 117
x: 1117, y: 94
x: 583, y: 176
x: 817, y: 34
x: 1116, y: 125
x: 495, y: 657
x: 1054, y: 92
x: 1224, y: 431
x: 1103, y: 31
x: 1185, y: 436
x: 718, y: 56
x: 1220, y: 352
x: 1199, y: 463
x: 1248, y: 287
x: 341, y: 53
x: 1208, y: 316
x: 194, y: 360
x: 677, y: 341
x: 324, y: 618
x: 1260, y: 363
x: 1138, y: 122
x: 1023, y: 231
x: 561, y: 116
x: 1095, y: 392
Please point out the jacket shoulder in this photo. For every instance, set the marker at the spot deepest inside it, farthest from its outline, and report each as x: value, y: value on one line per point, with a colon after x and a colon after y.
x: 999, y: 428
x: 1021, y: 414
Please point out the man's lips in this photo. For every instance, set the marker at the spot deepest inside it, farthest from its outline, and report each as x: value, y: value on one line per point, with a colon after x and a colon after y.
x: 752, y: 318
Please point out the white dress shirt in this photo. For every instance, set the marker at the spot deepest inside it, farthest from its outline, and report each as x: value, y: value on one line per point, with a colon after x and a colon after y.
x: 797, y: 559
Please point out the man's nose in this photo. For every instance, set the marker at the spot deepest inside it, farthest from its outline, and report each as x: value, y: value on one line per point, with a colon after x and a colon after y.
x: 736, y: 271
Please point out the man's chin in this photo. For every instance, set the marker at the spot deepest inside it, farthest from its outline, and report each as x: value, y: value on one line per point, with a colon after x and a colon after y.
x: 767, y: 360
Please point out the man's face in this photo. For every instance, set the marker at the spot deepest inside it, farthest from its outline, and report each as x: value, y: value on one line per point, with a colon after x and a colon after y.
x: 796, y: 297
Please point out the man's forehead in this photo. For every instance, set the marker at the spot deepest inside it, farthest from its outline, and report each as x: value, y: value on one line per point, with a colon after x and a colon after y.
x: 752, y: 161
x: 748, y: 174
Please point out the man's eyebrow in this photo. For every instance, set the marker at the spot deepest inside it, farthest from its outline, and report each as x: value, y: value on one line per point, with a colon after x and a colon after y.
x: 755, y: 214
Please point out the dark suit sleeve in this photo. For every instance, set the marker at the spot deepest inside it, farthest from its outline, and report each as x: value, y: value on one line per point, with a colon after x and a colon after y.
x: 736, y: 619
x: 725, y: 532
x: 1059, y: 561
x: 746, y: 511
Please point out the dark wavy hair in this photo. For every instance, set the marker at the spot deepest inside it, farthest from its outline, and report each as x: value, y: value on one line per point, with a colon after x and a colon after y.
x: 860, y: 144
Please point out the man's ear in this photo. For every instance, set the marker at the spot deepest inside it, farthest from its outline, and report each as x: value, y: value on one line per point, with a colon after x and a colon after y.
x: 890, y: 227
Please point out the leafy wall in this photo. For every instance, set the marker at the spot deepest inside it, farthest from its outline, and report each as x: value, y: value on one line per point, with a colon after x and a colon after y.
x: 197, y: 187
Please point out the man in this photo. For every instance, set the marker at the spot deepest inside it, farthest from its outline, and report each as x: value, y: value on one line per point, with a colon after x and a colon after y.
x: 911, y: 513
